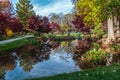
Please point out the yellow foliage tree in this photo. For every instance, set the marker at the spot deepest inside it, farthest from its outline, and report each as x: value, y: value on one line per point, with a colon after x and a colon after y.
x: 64, y: 28
x: 90, y: 10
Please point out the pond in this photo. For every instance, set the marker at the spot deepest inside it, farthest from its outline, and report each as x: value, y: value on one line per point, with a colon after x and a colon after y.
x: 43, y: 60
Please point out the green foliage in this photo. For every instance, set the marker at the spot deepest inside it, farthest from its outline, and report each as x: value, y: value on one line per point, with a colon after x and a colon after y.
x: 95, y: 54
x: 51, y: 35
x: 73, y: 35
x: 24, y: 11
x: 108, y: 8
x: 114, y: 47
x: 98, y: 31
x: 95, y: 45
x: 113, y: 7
x: 33, y: 42
x: 97, y: 11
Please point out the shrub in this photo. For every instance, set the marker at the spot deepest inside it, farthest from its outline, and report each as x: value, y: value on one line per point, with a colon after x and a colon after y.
x: 95, y: 45
x: 94, y: 57
x: 94, y: 54
x: 114, y: 47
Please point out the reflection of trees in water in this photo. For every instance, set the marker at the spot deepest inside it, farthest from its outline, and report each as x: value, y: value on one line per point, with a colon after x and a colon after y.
x: 28, y: 58
x: 77, y: 61
x: 26, y: 63
x: 70, y: 49
x: 2, y: 73
x: 77, y: 48
x: 30, y: 55
x: 66, y: 45
x: 7, y: 62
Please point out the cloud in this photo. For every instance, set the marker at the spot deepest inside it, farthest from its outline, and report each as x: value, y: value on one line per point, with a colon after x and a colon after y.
x: 46, y: 7
x: 60, y: 6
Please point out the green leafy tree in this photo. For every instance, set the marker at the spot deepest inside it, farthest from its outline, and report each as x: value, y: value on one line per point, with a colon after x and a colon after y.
x: 24, y: 11
x: 97, y: 11
x: 90, y: 10
x: 110, y: 10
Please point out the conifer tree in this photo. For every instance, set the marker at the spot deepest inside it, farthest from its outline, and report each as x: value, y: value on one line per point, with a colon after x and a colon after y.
x: 24, y: 12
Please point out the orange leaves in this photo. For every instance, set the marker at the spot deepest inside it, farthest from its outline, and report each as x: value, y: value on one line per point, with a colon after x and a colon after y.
x: 4, y: 4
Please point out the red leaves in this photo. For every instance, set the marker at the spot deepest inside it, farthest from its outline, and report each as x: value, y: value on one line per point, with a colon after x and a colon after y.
x: 79, y: 24
x: 16, y: 26
x: 4, y: 22
x: 8, y: 21
x: 39, y: 24
x: 54, y: 26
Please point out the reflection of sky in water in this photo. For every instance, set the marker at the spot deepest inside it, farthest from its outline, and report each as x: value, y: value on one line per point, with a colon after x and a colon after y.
x: 60, y: 62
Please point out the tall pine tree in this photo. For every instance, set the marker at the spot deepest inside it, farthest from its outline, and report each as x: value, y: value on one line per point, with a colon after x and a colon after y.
x: 24, y: 11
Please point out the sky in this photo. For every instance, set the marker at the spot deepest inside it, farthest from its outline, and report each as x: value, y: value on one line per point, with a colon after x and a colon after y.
x: 46, y: 7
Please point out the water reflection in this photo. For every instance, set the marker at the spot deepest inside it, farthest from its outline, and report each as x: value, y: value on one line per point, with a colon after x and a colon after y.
x: 7, y: 62
x: 37, y: 61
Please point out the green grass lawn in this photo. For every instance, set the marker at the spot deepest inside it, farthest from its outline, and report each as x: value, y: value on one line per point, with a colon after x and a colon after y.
x: 102, y: 73
x: 13, y: 45
x: 55, y: 36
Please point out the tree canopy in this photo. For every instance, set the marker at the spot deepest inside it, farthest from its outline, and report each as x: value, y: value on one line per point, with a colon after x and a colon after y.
x: 24, y: 11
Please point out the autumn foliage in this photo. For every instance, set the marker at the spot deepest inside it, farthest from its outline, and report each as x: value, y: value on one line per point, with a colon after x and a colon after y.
x: 80, y: 25
x: 39, y: 24
x: 54, y: 26
x: 4, y: 4
x: 7, y: 21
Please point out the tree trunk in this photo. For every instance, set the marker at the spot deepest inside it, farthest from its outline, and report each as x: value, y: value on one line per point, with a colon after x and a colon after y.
x: 110, y: 38
x: 111, y: 35
x: 116, y: 26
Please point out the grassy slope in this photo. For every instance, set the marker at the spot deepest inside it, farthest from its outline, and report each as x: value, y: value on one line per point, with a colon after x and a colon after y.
x: 13, y: 45
x: 103, y: 73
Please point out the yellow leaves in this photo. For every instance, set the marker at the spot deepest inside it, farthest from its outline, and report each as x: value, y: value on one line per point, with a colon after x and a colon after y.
x: 90, y: 10
x: 9, y: 32
x: 64, y: 27
x: 63, y: 44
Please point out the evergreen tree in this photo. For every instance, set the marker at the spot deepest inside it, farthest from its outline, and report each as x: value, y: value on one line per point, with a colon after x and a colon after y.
x: 24, y: 11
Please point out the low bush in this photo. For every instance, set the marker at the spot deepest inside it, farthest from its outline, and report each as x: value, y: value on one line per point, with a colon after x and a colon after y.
x: 115, y: 47
x: 95, y: 56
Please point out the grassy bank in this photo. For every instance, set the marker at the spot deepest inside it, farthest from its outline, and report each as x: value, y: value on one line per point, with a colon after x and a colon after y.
x: 13, y: 45
x: 55, y: 36
x: 103, y: 73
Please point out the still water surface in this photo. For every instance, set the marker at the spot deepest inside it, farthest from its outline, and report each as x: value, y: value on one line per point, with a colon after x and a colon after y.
x: 23, y: 63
